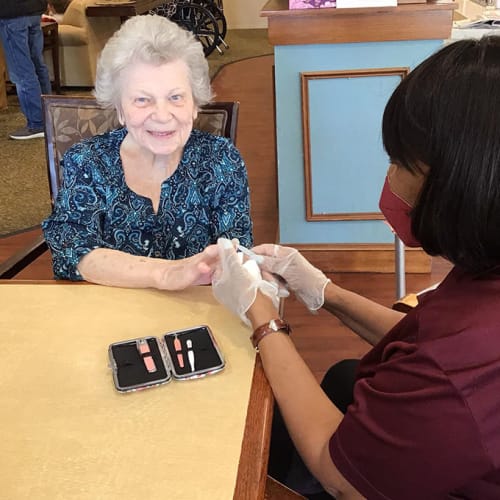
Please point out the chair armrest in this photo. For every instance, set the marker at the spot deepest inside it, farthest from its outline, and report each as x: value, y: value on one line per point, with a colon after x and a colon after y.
x: 72, y: 36
x: 409, y: 301
x: 23, y: 258
x: 406, y: 303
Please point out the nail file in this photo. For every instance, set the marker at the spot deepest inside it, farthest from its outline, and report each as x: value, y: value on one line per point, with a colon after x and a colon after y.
x: 178, y: 349
x: 180, y: 359
x: 177, y: 344
x: 251, y: 255
x: 190, y: 353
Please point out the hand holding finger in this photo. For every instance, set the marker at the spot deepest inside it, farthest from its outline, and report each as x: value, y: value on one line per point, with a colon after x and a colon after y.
x: 235, y: 282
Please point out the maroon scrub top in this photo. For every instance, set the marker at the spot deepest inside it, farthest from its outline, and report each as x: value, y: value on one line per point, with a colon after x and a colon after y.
x: 425, y: 422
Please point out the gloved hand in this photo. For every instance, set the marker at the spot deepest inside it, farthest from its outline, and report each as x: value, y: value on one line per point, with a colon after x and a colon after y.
x: 306, y: 281
x: 235, y: 284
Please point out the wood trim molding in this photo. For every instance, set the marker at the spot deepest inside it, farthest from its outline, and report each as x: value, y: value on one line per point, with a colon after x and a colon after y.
x: 416, y: 21
x: 362, y: 257
x: 305, y: 78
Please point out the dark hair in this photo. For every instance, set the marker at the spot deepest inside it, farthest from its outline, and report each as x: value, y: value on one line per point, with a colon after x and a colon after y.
x: 446, y: 115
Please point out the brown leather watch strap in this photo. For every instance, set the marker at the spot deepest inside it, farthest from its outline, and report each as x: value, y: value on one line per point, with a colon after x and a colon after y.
x: 275, y: 325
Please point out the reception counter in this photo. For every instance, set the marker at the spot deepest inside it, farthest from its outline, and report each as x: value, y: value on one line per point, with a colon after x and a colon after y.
x: 334, y: 72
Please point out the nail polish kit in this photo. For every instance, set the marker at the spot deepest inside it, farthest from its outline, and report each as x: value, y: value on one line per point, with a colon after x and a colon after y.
x: 149, y: 361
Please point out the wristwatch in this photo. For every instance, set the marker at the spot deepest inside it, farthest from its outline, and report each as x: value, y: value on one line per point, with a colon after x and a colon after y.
x: 275, y: 325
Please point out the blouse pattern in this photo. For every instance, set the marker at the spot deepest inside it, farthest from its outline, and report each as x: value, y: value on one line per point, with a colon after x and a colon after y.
x: 207, y: 197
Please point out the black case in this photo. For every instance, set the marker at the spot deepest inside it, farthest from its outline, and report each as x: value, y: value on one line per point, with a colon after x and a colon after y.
x: 170, y: 358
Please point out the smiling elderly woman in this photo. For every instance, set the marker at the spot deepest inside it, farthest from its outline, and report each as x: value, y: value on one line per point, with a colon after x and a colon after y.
x: 141, y: 205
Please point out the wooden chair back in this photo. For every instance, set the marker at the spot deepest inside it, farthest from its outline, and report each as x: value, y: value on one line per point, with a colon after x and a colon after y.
x: 69, y: 119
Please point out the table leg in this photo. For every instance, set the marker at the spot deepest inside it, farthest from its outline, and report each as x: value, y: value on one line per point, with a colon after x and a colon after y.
x: 57, y: 74
x: 51, y: 42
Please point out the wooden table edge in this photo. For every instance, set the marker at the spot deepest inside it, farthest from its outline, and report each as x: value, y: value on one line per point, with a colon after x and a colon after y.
x: 252, y: 470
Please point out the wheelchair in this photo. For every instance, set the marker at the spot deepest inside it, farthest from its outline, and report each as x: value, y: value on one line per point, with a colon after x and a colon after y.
x: 204, y: 18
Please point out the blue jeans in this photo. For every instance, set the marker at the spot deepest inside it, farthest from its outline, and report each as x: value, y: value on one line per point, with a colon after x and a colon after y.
x: 22, y: 41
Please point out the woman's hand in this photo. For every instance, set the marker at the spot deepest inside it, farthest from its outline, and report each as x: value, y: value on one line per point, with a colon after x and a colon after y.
x: 195, y: 270
x: 235, y: 283
x: 107, y: 266
x: 306, y: 281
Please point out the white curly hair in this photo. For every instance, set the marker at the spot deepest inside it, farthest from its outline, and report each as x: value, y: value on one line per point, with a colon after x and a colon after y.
x: 150, y: 39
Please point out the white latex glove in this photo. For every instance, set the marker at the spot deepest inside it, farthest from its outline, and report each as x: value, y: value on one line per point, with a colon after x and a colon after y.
x: 235, y: 283
x: 306, y: 281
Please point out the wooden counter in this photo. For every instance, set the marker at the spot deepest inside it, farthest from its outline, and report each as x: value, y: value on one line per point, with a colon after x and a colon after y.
x: 335, y: 70
x: 123, y: 9
x: 404, y: 22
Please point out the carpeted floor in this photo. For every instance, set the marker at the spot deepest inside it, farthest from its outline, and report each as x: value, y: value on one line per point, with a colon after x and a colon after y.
x: 24, y: 192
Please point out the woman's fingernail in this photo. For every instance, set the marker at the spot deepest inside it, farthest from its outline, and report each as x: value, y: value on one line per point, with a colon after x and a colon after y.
x: 225, y: 243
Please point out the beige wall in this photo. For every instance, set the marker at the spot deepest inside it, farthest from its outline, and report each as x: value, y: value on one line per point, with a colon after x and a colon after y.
x: 244, y: 14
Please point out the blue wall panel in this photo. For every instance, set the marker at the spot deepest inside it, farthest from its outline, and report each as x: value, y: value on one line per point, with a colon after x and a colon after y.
x: 348, y: 163
x: 345, y: 141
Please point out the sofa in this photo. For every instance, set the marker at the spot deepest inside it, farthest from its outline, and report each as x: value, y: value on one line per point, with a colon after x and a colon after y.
x: 81, y: 39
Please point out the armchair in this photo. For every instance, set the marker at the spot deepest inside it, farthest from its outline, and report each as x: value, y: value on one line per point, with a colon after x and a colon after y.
x: 81, y: 39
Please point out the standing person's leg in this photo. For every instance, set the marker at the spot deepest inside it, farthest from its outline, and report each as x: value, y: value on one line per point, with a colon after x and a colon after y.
x: 338, y: 383
x: 35, y: 42
x: 15, y: 40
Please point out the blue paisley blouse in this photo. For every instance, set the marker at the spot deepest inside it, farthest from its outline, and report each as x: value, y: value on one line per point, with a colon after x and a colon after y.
x: 207, y: 197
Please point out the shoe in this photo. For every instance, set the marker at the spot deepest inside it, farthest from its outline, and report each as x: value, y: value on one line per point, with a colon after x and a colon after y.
x: 27, y: 133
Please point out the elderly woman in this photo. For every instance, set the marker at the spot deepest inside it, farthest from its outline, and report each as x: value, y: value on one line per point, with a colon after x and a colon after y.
x: 140, y: 205
x: 418, y: 417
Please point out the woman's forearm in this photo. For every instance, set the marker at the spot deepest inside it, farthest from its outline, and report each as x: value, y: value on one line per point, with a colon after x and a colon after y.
x: 106, y: 266
x: 115, y: 268
x: 311, y: 418
x: 369, y: 320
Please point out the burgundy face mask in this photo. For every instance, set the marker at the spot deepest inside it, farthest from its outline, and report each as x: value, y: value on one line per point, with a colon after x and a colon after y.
x: 397, y: 214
